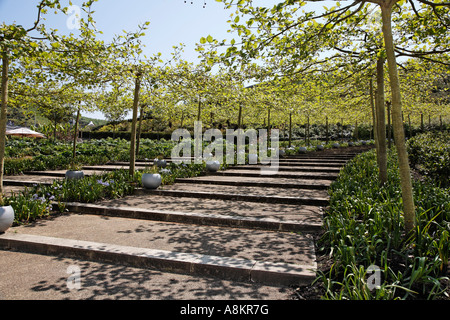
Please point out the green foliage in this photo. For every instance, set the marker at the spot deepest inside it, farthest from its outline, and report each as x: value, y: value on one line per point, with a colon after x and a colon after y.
x: 111, y: 185
x: 28, y: 206
x: 430, y: 154
x: 34, y: 155
x: 36, y: 201
x: 182, y: 170
x: 364, y: 227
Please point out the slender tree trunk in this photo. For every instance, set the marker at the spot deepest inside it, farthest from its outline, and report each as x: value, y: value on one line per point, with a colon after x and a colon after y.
x: 326, y: 131
x: 199, y: 110
x: 137, y: 88
x: 399, y: 134
x: 54, y: 129
x: 409, y: 124
x: 381, y: 123
x: 3, y: 115
x: 75, y: 135
x: 356, y: 130
x: 307, y: 130
x: 240, y: 117
x: 290, y: 129
x: 139, y: 129
x: 422, y: 126
x: 374, y: 120
x: 389, y: 127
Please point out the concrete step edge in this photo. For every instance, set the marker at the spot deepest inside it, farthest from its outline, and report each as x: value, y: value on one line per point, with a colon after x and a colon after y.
x: 238, y: 197
x: 192, y: 217
x: 176, y: 262
x: 254, y: 184
x: 273, y: 175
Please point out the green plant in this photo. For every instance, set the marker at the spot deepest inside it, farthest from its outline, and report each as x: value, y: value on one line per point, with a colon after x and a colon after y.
x: 364, y: 226
x: 90, y: 189
x: 28, y: 206
x: 430, y: 154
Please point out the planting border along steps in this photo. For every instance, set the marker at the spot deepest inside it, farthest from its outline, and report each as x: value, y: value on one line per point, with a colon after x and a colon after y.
x: 270, y: 273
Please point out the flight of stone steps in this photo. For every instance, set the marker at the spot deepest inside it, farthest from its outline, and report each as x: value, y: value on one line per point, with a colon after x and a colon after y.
x: 235, y: 224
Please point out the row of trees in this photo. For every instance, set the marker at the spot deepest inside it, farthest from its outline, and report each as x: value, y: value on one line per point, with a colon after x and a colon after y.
x: 356, y: 43
x: 287, y: 67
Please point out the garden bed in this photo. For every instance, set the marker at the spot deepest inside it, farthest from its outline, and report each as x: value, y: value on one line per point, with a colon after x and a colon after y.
x: 364, y: 226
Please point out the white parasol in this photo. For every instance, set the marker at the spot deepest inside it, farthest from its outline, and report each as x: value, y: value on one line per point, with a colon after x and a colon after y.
x: 24, y: 132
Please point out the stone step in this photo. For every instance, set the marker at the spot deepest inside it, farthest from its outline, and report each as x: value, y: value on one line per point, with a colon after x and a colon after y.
x: 306, y: 217
x: 256, y: 193
x: 289, y: 168
x: 319, y: 158
x: 259, y: 182
x: 192, y: 217
x: 341, y: 157
x: 307, y: 162
x: 30, y: 276
x: 333, y: 164
x: 275, y: 258
x: 282, y: 166
x: 28, y: 181
x: 276, y: 174
x: 221, y: 194
x: 62, y: 173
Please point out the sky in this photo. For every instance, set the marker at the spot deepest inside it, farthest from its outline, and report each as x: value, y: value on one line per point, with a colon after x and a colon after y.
x: 172, y: 22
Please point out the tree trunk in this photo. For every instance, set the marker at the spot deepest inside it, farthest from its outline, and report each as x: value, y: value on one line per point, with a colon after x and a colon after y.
x: 75, y: 135
x: 399, y: 134
x: 3, y: 115
x: 199, y: 110
x: 54, y: 130
x: 374, y: 120
x: 381, y: 123
x: 326, y: 130
x: 307, y: 130
x: 139, y: 129
x: 240, y: 117
x: 422, y: 127
x: 409, y: 125
x: 137, y: 88
x: 290, y: 129
x: 389, y: 130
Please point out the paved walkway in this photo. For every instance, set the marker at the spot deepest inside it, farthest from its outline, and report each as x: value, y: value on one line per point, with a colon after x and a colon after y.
x: 235, y: 234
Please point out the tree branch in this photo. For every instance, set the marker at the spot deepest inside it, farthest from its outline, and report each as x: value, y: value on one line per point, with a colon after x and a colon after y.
x: 40, y: 6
